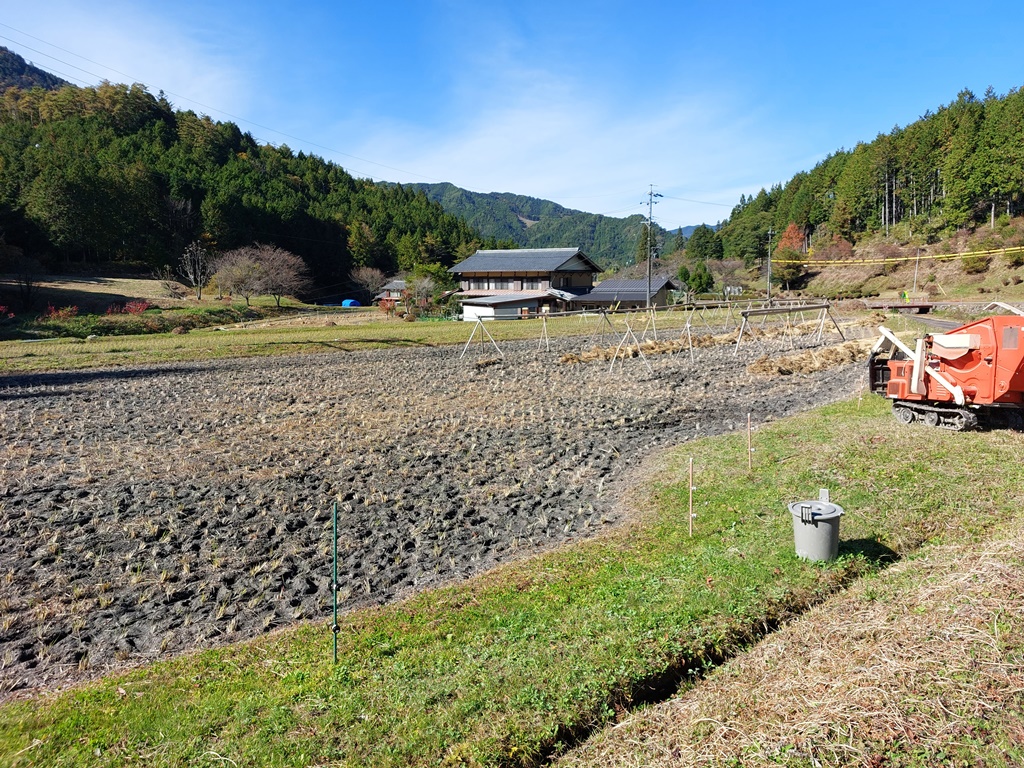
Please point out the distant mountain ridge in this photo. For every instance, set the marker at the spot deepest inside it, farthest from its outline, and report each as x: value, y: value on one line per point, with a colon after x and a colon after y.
x: 497, y: 216
x: 531, y: 222
x: 15, y: 72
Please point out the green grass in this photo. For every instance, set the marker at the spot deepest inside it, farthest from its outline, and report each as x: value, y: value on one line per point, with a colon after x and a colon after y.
x: 270, y: 338
x: 504, y: 668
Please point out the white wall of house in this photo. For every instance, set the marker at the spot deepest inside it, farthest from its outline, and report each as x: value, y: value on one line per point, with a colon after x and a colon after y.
x: 474, y: 312
x: 471, y: 313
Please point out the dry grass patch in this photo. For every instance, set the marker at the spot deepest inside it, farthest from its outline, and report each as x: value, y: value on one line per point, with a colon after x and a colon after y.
x: 805, y: 362
x: 920, y: 665
x: 812, y: 360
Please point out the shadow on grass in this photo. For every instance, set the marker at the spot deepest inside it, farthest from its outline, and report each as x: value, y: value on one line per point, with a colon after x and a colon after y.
x: 11, y: 387
x: 345, y: 345
x: 875, y: 552
x: 86, y: 300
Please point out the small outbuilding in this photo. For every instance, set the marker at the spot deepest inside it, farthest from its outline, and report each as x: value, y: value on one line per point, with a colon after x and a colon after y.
x: 508, y: 306
x: 627, y: 294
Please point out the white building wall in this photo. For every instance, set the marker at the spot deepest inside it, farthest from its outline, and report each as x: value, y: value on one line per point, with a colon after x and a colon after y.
x: 472, y: 313
x: 511, y: 311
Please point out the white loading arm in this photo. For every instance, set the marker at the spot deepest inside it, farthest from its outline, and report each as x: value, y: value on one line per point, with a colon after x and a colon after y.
x: 920, y: 367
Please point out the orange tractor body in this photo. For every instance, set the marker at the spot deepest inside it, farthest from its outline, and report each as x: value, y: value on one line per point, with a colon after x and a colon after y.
x: 970, y: 376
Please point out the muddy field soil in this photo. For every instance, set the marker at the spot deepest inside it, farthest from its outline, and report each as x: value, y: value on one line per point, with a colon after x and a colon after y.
x: 154, y: 510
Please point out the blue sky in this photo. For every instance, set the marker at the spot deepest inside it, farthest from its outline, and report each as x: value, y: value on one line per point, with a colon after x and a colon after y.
x: 586, y: 104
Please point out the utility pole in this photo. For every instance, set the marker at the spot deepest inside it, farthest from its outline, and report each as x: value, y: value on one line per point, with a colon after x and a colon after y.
x: 770, y: 233
x: 650, y: 237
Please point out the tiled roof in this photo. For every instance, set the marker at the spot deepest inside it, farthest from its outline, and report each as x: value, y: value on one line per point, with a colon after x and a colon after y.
x: 521, y: 260
x: 385, y: 291
x: 505, y: 298
x: 625, y: 290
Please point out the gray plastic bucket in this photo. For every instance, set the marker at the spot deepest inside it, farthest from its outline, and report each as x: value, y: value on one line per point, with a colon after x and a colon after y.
x: 816, y: 529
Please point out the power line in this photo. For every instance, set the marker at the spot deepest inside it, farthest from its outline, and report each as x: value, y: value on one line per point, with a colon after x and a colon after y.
x: 620, y: 210
x: 53, y: 45
x: 247, y: 121
x: 698, y: 202
x: 54, y: 58
x: 896, y: 259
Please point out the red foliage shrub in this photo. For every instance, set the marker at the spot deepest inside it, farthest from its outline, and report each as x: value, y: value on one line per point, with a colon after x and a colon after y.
x: 136, y: 307
x: 64, y: 313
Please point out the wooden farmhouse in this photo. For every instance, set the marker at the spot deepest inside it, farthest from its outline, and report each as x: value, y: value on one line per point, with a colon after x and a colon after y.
x: 391, y: 291
x: 505, y: 284
x: 627, y: 294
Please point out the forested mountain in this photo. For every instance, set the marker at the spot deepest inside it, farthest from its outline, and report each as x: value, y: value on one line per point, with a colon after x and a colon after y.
x: 534, y: 223
x: 957, y: 167
x: 15, y: 72
x: 112, y: 173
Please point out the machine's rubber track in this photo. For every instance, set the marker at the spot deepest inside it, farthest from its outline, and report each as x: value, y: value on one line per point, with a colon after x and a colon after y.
x: 956, y: 419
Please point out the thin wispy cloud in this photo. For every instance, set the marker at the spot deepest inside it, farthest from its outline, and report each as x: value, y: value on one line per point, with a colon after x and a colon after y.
x: 584, y: 107
x: 553, y: 144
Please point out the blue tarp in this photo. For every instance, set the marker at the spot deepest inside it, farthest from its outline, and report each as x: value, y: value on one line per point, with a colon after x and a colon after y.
x: 350, y: 303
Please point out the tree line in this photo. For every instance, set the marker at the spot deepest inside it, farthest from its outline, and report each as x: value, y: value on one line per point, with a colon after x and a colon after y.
x: 113, y: 173
x: 961, y: 166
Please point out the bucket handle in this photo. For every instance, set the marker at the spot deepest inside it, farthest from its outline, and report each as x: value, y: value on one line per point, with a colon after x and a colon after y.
x: 806, y: 515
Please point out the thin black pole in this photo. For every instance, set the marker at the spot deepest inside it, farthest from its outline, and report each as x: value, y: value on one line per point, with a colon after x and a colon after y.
x: 334, y: 584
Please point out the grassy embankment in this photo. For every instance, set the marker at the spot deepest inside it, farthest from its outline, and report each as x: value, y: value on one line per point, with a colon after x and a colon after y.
x: 327, y: 330
x: 503, y: 669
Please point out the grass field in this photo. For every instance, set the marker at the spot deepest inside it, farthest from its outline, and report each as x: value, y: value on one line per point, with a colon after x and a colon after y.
x: 513, y: 666
x: 312, y: 331
x: 302, y: 328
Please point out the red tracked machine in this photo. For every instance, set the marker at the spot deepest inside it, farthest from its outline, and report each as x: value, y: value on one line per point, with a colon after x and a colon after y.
x: 971, y: 376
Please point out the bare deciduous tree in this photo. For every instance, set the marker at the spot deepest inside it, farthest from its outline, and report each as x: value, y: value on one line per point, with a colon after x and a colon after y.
x: 262, y: 270
x: 422, y: 289
x: 369, y: 279
x: 284, y: 273
x: 26, y: 271
x: 239, y: 273
x: 196, y: 267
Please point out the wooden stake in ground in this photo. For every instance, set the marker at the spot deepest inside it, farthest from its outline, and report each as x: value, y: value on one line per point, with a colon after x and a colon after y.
x: 622, y: 346
x: 334, y: 583
x: 750, y: 450
x: 483, y: 332
x: 652, y: 323
x: 544, y: 340
x: 691, y: 498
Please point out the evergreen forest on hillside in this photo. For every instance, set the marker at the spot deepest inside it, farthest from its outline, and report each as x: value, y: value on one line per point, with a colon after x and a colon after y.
x: 15, y: 72
x: 113, y: 174
x: 953, y: 169
x: 531, y: 222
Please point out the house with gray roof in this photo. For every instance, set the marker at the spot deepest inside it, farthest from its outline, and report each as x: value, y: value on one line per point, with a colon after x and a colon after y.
x: 391, y: 290
x: 533, y: 279
x: 487, y: 273
x: 627, y: 294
